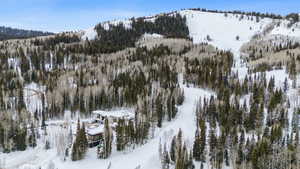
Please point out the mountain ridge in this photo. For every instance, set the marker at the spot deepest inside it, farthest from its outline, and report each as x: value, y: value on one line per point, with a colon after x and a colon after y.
x: 7, y: 33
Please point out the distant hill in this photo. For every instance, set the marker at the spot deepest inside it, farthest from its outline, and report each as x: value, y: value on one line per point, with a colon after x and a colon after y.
x: 12, y: 33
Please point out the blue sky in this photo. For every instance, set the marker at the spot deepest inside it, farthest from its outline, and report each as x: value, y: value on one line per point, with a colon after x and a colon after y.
x: 64, y: 15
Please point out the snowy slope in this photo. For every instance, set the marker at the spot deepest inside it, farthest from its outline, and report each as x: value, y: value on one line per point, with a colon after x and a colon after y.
x: 222, y: 30
x: 89, y: 34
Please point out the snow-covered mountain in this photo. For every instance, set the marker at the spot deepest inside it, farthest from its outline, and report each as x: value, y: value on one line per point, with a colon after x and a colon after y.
x: 225, y: 31
x: 221, y: 28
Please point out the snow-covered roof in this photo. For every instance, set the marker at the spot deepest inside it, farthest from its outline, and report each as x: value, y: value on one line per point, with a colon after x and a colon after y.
x: 94, y: 130
x: 126, y: 113
x: 152, y: 35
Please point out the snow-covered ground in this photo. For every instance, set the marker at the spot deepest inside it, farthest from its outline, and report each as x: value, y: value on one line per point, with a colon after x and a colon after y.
x: 89, y: 34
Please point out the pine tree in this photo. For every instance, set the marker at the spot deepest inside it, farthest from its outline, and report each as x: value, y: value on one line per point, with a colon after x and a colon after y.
x: 47, y: 145
x: 70, y: 137
x: 2, y: 136
x: 82, y: 107
x: 24, y: 62
x: 32, y: 137
x: 20, y: 139
x: 173, y: 149
x: 43, y: 125
x: 169, y: 110
x: 80, y: 145
x: 196, y: 146
x: 84, y: 138
x: 166, y: 158
x: 173, y: 107
x: 180, y: 98
x: 212, y: 146
x: 159, y: 110
x: 295, y: 120
x: 120, y: 135
x: 104, y: 150
x: 286, y: 85
x: 202, y: 141
x: 180, y: 153
x: 21, y: 103
x: 226, y: 158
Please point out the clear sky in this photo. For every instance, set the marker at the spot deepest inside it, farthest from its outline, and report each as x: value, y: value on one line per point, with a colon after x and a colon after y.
x: 65, y: 15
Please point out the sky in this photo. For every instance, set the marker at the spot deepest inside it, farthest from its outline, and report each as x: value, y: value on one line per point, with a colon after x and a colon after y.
x: 73, y: 15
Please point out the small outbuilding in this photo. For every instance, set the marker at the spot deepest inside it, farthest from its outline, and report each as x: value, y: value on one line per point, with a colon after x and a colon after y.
x: 95, y: 134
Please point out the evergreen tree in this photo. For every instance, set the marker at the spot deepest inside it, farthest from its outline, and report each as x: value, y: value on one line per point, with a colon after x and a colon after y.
x: 196, y: 146
x: 173, y: 149
x: 104, y: 150
x: 20, y: 139
x: 21, y: 103
x: 2, y: 136
x: 180, y: 153
x: 32, y: 137
x: 80, y: 145
x: 202, y: 141
x: 47, y: 145
x: 285, y: 85
x: 166, y: 158
x: 24, y: 62
x: 120, y: 135
x: 159, y: 110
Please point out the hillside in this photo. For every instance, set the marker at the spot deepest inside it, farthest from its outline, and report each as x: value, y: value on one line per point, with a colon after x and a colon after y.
x: 11, y: 33
x: 206, y: 89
